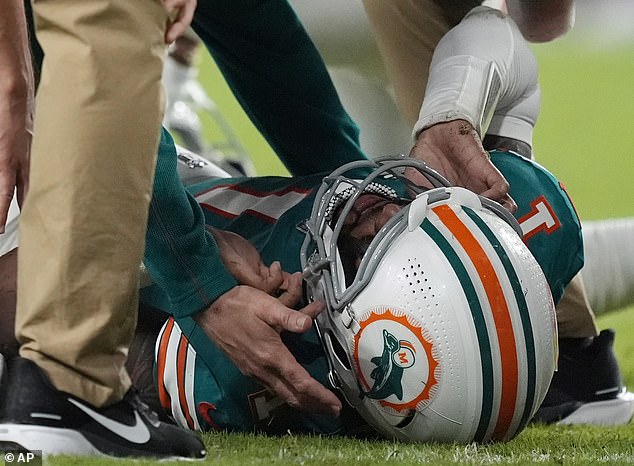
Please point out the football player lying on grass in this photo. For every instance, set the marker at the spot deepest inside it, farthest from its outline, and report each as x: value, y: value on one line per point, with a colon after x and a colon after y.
x: 439, y: 324
x: 439, y: 320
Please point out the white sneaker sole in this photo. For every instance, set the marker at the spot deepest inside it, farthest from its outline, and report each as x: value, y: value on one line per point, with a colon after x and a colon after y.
x: 54, y: 441
x: 48, y: 440
x: 616, y: 412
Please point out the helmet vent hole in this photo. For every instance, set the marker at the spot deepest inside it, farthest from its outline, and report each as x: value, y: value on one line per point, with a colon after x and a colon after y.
x: 415, y: 278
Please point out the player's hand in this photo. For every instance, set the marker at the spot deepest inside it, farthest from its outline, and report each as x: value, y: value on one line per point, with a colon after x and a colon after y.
x: 454, y: 149
x: 246, y: 324
x: 180, y: 13
x: 244, y: 262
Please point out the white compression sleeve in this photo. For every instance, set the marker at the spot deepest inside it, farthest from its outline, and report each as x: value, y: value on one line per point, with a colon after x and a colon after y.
x: 483, y: 71
x: 608, y: 273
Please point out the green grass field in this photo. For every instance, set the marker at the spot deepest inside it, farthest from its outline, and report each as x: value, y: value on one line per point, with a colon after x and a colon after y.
x: 584, y: 137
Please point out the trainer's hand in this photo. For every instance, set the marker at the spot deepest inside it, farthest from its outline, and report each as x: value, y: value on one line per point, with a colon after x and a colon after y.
x: 180, y: 13
x: 454, y: 149
x: 246, y: 324
x: 244, y: 262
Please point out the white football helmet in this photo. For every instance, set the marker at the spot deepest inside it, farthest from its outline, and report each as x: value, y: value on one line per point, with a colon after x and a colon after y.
x: 447, y: 331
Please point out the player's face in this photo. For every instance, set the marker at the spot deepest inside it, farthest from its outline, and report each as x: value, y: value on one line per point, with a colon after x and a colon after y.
x: 368, y: 215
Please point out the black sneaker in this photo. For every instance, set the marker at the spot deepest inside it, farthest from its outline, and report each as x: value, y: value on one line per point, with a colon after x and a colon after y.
x: 36, y: 416
x: 587, y: 387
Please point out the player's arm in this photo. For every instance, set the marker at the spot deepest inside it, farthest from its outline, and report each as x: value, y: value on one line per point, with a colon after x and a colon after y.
x: 483, y: 72
x: 180, y: 254
x: 184, y: 259
x: 246, y: 322
x: 16, y: 104
x: 483, y: 79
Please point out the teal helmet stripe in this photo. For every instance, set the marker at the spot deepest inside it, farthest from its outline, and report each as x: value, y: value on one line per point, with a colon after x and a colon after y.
x: 480, y: 326
x: 527, y: 327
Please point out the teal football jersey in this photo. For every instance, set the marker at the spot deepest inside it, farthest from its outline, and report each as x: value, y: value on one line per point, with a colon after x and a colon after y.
x: 204, y: 390
x: 549, y: 222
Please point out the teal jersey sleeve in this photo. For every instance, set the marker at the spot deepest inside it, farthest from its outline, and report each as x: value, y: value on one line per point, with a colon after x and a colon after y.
x: 181, y: 256
x: 280, y: 80
x: 549, y: 222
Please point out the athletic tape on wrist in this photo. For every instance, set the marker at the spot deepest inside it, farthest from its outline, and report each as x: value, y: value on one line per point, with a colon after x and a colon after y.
x: 461, y: 87
x: 483, y: 72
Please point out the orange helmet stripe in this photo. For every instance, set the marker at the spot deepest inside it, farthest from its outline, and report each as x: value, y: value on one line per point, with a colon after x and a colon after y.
x: 501, y: 315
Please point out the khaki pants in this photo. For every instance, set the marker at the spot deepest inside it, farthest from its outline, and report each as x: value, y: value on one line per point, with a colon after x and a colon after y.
x: 575, y: 317
x: 407, y: 32
x: 82, y: 230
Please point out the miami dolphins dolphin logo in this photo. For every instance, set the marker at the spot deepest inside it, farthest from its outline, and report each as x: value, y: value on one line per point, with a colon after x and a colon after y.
x: 388, y: 375
x: 393, y: 358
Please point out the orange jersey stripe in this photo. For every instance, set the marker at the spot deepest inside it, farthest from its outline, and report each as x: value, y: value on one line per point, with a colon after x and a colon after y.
x: 161, y: 357
x: 501, y: 315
